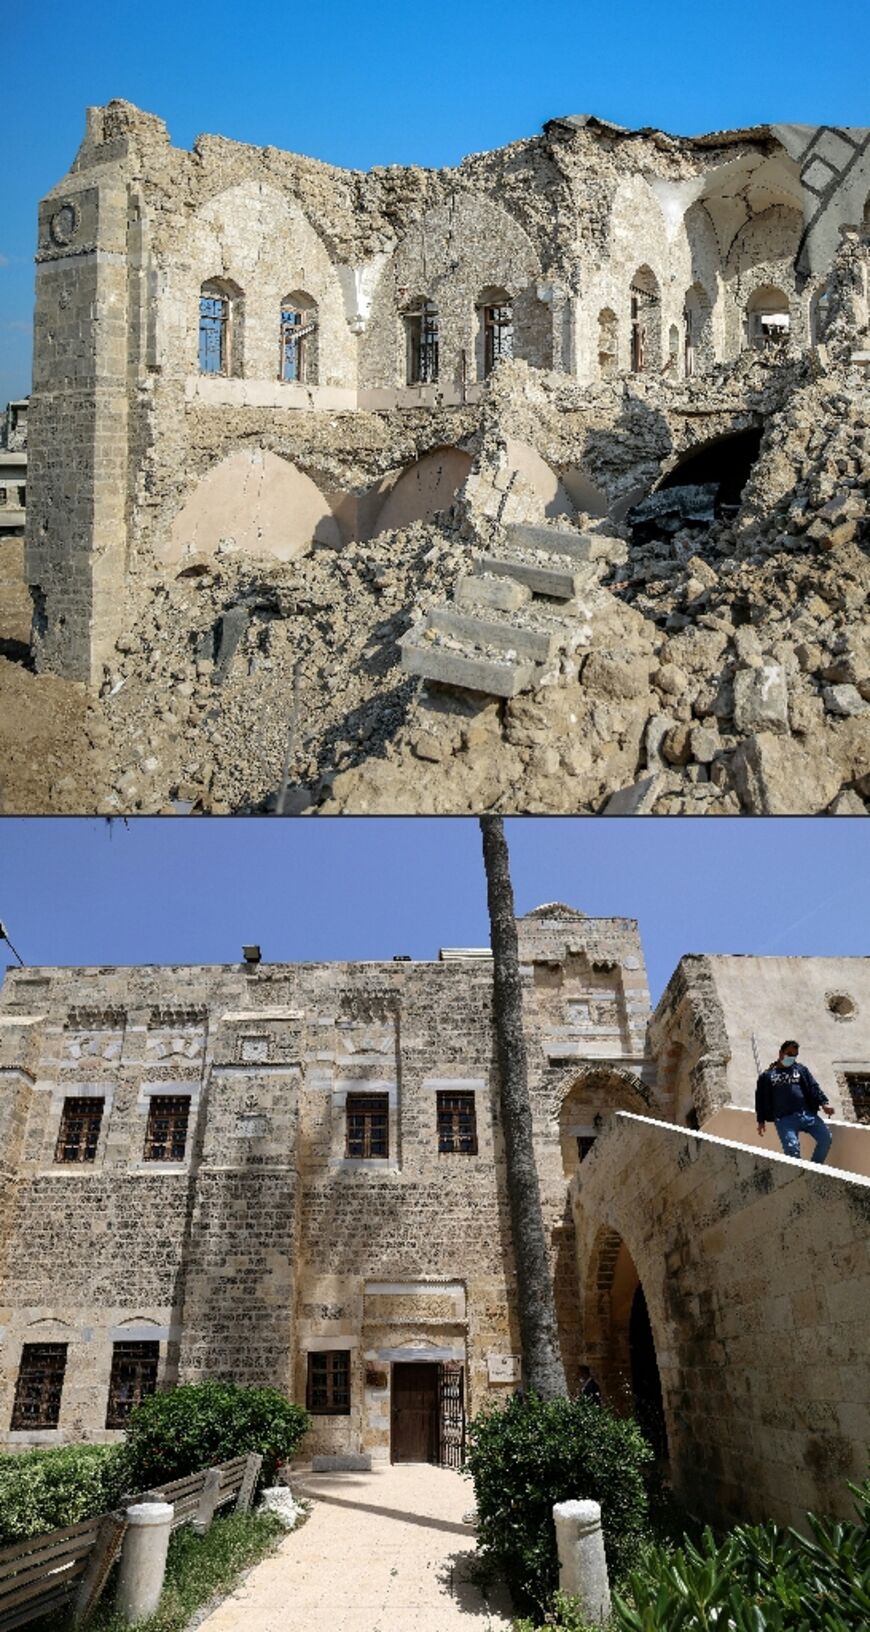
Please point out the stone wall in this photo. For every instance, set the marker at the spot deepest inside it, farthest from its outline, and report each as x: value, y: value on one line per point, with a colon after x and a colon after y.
x: 124, y: 424
x: 756, y: 1275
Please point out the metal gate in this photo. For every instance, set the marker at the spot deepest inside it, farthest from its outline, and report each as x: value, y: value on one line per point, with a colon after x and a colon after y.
x: 451, y: 1414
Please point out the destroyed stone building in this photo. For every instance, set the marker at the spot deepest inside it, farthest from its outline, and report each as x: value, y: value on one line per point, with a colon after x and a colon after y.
x: 293, y: 1175
x: 257, y: 377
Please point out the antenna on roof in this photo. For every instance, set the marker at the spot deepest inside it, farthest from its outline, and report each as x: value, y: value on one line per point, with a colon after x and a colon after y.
x: 4, y: 937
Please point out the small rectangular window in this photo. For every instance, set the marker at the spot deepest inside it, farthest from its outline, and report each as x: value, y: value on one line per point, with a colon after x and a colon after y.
x: 166, y: 1134
x: 22, y: 491
x: 328, y: 1392
x: 39, y: 1386
x: 585, y: 1142
x: 421, y: 332
x: 858, y: 1084
x: 3, y: 498
x: 498, y: 335
x: 133, y: 1378
x: 79, y: 1130
x: 367, y: 1126
x: 457, y: 1124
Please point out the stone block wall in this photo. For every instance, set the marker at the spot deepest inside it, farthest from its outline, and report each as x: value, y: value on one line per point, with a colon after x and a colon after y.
x: 756, y: 1275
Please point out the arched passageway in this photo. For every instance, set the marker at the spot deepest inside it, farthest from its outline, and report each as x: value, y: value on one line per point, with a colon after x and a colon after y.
x: 619, y: 1341
x: 728, y: 461
x: 646, y: 1386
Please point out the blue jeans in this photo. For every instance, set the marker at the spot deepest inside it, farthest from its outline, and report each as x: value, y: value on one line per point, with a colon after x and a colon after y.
x: 788, y: 1128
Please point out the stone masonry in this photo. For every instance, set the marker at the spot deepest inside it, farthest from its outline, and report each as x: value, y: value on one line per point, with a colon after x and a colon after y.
x: 266, y: 1246
x: 602, y: 258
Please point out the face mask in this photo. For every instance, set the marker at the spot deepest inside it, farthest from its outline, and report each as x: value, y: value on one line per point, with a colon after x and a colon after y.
x: 789, y: 1059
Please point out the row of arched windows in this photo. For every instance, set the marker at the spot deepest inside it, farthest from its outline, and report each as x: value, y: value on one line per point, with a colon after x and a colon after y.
x: 220, y: 310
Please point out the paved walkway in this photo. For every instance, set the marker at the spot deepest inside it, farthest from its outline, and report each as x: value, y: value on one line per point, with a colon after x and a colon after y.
x: 381, y: 1552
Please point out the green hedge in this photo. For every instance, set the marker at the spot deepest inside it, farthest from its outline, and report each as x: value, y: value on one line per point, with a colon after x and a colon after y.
x: 532, y: 1453
x: 759, y: 1579
x: 200, y: 1424
x: 47, y: 1490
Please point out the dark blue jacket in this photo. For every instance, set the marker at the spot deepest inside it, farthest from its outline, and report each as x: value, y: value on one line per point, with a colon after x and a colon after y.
x: 784, y: 1089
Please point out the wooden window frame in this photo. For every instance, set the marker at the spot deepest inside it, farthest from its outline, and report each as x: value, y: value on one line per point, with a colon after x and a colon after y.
x: 327, y: 1389
x: 142, y: 1359
x: 222, y: 320
x: 44, y: 1386
x: 498, y: 333
x: 155, y: 1148
x: 76, y: 1145
x: 422, y: 335
x: 452, y: 1108
x: 373, y: 1110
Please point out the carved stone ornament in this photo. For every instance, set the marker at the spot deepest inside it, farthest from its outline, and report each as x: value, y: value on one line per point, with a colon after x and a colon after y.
x: 64, y: 225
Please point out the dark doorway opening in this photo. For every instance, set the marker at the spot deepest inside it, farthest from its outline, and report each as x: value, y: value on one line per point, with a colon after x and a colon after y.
x: 645, y: 1381
x: 414, y: 1412
x: 728, y: 461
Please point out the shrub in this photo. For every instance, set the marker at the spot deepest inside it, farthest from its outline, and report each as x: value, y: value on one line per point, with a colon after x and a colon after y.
x: 47, y: 1490
x: 532, y: 1453
x: 759, y: 1579
x: 200, y: 1424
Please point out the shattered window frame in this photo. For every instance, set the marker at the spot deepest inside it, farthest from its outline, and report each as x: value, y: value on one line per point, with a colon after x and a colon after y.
x: 298, y: 324
x: 498, y: 333
x: 214, y: 325
x: 422, y: 339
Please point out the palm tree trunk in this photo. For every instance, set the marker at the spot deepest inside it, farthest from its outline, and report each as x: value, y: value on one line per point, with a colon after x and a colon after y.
x: 542, y: 1362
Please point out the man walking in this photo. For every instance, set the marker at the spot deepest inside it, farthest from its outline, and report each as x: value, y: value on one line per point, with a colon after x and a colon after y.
x: 788, y: 1095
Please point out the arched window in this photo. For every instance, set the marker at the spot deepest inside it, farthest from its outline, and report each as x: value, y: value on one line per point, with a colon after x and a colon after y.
x: 697, y: 340
x: 608, y: 346
x: 421, y: 342
x: 646, y: 321
x: 496, y: 334
x: 298, y: 353
x: 220, y: 308
x: 768, y: 320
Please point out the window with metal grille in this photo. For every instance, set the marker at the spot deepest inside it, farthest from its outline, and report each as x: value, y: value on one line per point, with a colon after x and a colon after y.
x: 421, y: 329
x: 214, y: 320
x: 133, y: 1378
x: 166, y: 1134
x: 457, y: 1124
x: 328, y: 1392
x: 858, y: 1084
x: 498, y: 335
x: 367, y: 1125
x: 79, y: 1130
x: 39, y: 1386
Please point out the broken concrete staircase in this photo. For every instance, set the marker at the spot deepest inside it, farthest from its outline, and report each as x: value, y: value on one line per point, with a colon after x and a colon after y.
x: 511, y: 618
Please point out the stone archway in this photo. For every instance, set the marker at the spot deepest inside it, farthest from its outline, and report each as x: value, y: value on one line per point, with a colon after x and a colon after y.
x: 620, y: 1344
x: 251, y: 503
x: 588, y: 1100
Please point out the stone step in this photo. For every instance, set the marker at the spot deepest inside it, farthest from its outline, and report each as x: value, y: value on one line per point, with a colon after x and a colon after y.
x: 551, y: 540
x: 482, y: 589
x: 560, y: 583
x: 466, y: 667
x: 498, y: 631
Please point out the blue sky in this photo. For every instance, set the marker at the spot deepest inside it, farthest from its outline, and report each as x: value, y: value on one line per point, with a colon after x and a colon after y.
x: 391, y: 84
x: 174, y: 891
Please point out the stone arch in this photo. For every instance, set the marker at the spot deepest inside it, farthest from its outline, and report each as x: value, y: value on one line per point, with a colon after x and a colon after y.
x: 727, y: 459
x: 587, y: 1100
x: 299, y: 329
x: 494, y: 332
x: 608, y: 343
x: 254, y: 503
x: 646, y: 321
x: 620, y: 1345
x: 424, y: 489
x: 221, y: 327
x: 698, y: 352
x: 767, y: 316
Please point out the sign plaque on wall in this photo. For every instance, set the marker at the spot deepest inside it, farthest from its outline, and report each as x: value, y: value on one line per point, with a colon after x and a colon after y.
x: 503, y: 1368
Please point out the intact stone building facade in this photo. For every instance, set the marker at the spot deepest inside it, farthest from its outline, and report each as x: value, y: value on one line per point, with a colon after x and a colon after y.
x: 293, y: 1174
x: 242, y: 349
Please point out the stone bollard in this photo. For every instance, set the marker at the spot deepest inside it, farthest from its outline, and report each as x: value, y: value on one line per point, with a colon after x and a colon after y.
x: 143, y: 1560
x: 582, y: 1564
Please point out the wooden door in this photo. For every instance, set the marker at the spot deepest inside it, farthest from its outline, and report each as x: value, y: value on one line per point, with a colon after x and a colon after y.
x: 414, y: 1412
